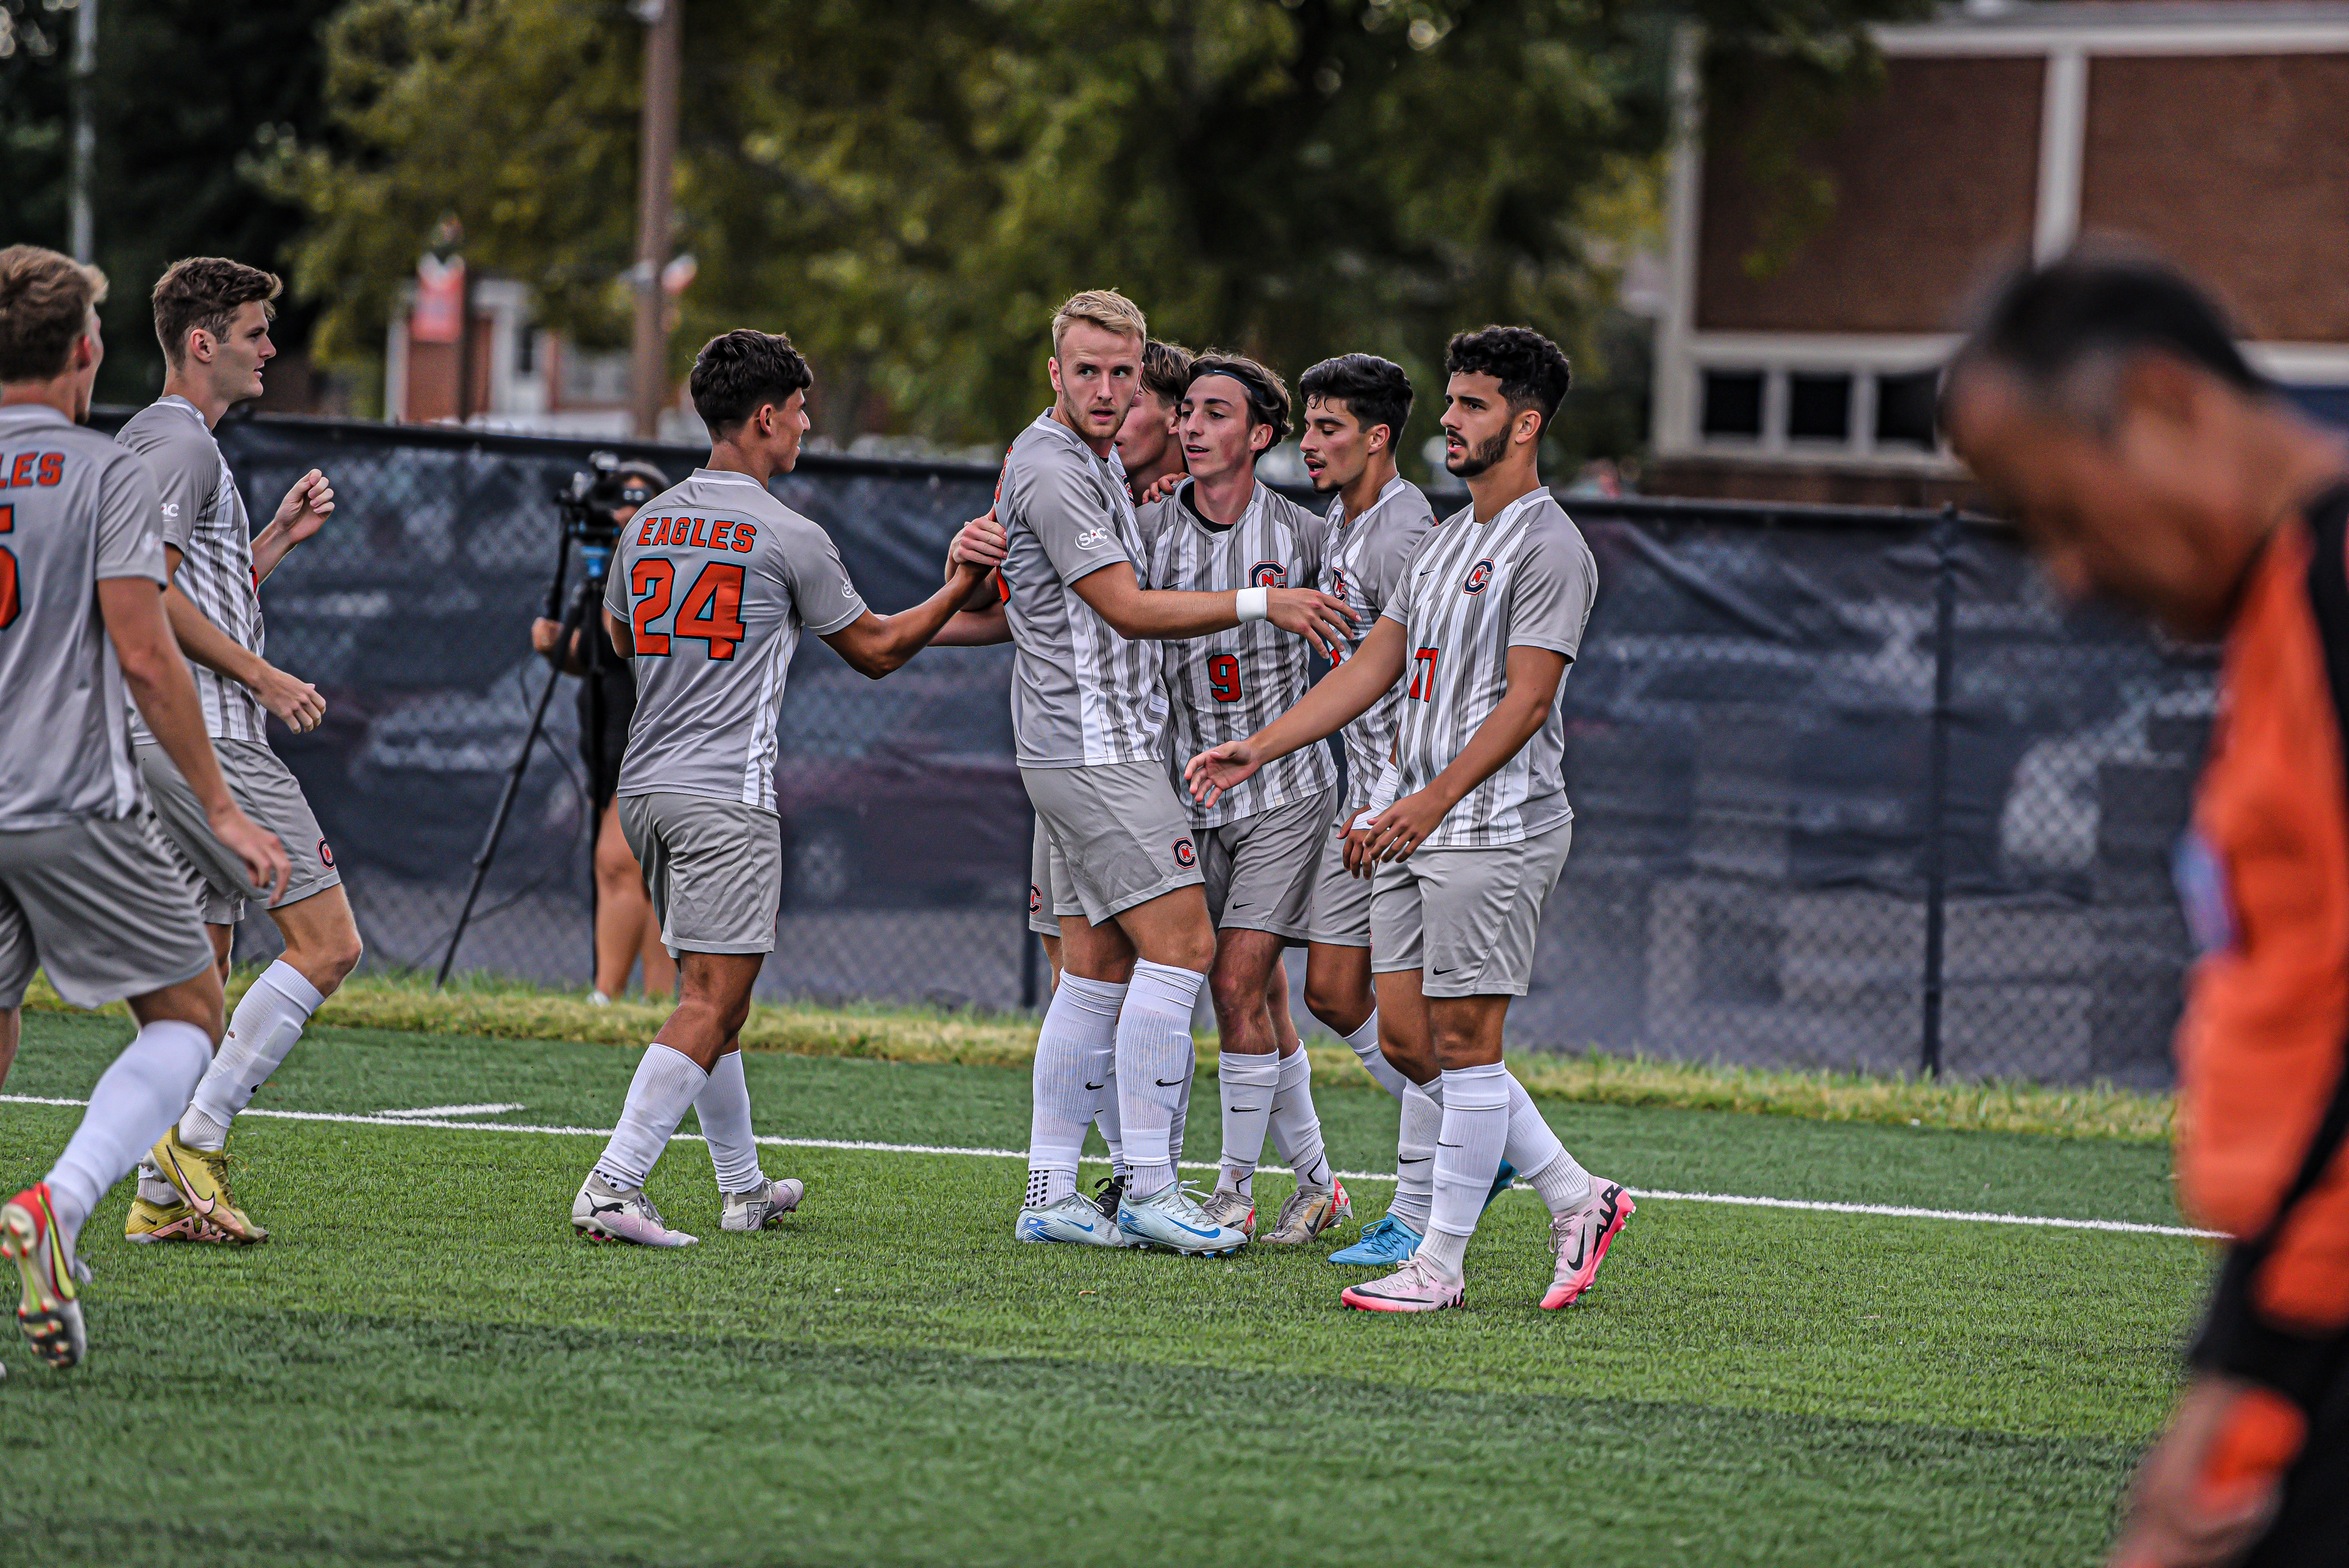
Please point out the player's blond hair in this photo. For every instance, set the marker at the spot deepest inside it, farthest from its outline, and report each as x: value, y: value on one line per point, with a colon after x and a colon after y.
x: 45, y: 303
x: 1104, y: 308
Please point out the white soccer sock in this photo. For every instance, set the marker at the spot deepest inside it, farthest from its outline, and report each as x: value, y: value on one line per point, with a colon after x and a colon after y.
x: 260, y: 1034
x: 723, y: 1109
x: 666, y: 1082
x: 1415, y: 1147
x: 1296, y: 1126
x: 1363, y: 1042
x: 1105, y: 1115
x: 1077, y: 1041
x: 1247, y: 1085
x: 1154, y: 1059
x: 135, y: 1102
x: 1540, y: 1158
x: 1182, y: 1115
x: 1468, y: 1157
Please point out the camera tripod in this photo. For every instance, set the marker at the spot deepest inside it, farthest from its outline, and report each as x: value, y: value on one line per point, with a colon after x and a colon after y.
x: 580, y: 620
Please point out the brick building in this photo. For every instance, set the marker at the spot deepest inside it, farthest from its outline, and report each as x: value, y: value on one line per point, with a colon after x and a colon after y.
x: 2217, y: 134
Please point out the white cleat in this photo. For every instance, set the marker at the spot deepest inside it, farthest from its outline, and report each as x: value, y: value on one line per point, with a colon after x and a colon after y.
x: 603, y: 1212
x: 1172, y: 1220
x: 1232, y: 1209
x: 1075, y: 1219
x: 762, y: 1207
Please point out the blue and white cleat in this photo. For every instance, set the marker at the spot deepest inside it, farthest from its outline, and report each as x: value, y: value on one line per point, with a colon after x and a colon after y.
x: 1501, y: 1184
x: 1073, y: 1219
x: 1386, y: 1243
x: 1172, y: 1221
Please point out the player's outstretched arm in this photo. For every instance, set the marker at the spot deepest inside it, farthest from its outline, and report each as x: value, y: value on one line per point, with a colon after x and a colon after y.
x: 303, y: 512
x: 1341, y: 697
x: 1165, y: 614
x: 166, y: 697
x: 297, y: 702
x: 1533, y: 675
x: 874, y: 645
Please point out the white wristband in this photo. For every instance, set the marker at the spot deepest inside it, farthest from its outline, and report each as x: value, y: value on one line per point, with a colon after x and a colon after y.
x: 1250, y: 603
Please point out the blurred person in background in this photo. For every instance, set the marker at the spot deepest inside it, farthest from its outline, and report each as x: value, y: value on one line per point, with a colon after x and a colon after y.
x: 624, y: 926
x: 2104, y: 402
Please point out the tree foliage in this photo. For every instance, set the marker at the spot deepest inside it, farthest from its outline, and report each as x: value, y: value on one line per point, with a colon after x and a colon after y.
x: 909, y: 188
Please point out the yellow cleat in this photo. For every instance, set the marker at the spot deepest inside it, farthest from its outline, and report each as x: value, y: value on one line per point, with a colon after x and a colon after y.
x: 201, y: 1176
x: 175, y: 1222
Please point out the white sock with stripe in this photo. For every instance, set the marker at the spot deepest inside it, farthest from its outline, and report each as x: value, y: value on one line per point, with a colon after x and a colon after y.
x: 1468, y: 1157
x: 1415, y: 1147
x: 1541, y: 1160
x: 1247, y: 1085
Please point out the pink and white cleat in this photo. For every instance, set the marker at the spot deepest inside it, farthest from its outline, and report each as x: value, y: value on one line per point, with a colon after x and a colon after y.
x: 1415, y: 1287
x: 603, y: 1212
x: 1581, y: 1239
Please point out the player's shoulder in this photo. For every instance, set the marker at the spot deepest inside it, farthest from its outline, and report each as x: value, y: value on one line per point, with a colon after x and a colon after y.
x: 168, y: 428
x: 1302, y: 521
x: 1405, y: 506
x: 1549, y: 525
x: 1044, y: 447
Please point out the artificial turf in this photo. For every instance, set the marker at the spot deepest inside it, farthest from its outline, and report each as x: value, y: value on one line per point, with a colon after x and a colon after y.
x: 424, y: 1366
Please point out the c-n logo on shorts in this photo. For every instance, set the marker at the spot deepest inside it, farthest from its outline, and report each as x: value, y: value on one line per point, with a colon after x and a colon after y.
x: 1185, y: 855
x: 1035, y: 898
x: 1478, y: 575
x: 325, y: 855
x: 1268, y: 574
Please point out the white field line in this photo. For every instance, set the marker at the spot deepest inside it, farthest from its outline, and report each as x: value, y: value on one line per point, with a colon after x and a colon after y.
x: 498, y: 1109
x: 422, y: 1118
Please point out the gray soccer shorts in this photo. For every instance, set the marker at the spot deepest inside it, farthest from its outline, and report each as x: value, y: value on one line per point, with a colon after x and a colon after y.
x: 1261, y: 869
x: 714, y: 869
x: 264, y: 788
x: 1121, y: 835
x: 98, y: 905
x: 1466, y: 918
x: 1044, y: 911
x: 1341, y: 900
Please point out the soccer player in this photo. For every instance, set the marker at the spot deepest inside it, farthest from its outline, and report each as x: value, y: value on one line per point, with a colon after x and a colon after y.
x: 212, y: 317
x: 1355, y: 408
x: 1222, y: 529
x: 1090, y: 712
x: 708, y: 594
x: 86, y: 893
x: 1469, y: 824
x: 2105, y: 402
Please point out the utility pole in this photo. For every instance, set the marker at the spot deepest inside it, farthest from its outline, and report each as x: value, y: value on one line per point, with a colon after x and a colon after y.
x: 82, y: 235
x: 664, y: 26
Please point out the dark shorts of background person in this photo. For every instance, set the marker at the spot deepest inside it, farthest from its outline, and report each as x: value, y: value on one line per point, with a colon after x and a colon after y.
x: 619, y: 702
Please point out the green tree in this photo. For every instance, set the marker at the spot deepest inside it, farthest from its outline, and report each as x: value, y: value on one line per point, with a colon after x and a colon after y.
x: 189, y: 97
x: 908, y: 189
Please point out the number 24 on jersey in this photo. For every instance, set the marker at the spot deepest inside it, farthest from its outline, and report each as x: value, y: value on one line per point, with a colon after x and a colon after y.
x: 711, y: 611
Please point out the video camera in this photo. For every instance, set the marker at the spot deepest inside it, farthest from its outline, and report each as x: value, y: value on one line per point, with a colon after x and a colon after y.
x: 588, y: 501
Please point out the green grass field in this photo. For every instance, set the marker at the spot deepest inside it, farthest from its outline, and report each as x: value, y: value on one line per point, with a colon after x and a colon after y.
x: 424, y: 1366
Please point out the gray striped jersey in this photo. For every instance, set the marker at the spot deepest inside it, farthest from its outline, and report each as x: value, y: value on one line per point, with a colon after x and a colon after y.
x: 1367, y: 556
x: 204, y: 520
x: 74, y: 509
x: 1228, y: 685
x: 1474, y: 591
x: 1081, y: 695
x: 714, y: 579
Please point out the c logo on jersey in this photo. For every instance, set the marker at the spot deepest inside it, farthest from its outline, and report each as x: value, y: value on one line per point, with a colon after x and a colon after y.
x: 1092, y: 538
x: 1337, y: 586
x: 325, y: 855
x: 1478, y: 575
x: 1185, y: 855
x: 1035, y: 898
x: 1268, y: 574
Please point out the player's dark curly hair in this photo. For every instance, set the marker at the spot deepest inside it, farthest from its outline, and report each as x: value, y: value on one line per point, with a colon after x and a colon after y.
x: 1166, y: 371
x: 738, y: 372
x: 1268, y: 394
x: 1375, y: 391
x: 1531, y: 369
